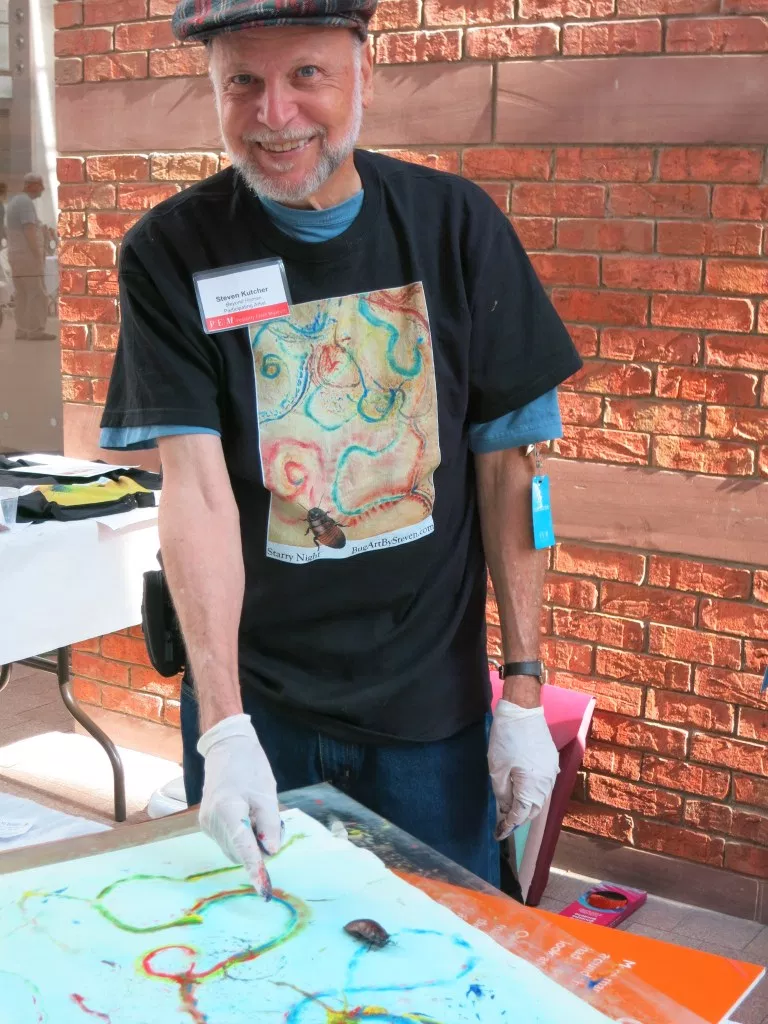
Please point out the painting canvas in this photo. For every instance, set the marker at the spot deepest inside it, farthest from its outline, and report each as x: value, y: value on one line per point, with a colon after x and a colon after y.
x: 171, y: 932
x: 348, y: 427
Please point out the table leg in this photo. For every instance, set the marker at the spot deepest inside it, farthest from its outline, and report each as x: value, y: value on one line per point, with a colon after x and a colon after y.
x: 77, y: 712
x: 5, y: 676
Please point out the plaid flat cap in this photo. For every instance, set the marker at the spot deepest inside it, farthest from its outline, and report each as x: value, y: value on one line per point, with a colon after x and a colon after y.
x: 202, y: 19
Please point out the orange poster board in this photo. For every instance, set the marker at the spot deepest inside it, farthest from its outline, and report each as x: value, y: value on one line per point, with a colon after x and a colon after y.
x: 630, y: 978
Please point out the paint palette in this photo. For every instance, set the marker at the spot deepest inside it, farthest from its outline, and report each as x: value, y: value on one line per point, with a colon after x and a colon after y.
x: 171, y: 933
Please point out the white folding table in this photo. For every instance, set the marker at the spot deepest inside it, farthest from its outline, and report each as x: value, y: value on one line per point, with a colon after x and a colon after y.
x: 62, y: 583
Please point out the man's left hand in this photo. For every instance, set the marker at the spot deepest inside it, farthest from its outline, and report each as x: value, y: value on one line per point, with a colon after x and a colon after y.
x: 523, y: 762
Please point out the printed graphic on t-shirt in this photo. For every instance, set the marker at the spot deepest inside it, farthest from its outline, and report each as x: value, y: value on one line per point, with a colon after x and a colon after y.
x: 348, y: 424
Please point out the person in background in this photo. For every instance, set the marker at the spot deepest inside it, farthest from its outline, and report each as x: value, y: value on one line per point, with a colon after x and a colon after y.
x: 336, y: 482
x: 3, y: 201
x: 27, y: 259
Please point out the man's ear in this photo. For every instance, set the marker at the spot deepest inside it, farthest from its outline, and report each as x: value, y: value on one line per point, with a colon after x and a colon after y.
x: 366, y: 68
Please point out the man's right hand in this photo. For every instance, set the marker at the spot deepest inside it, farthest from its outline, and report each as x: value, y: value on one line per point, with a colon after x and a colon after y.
x: 240, y: 797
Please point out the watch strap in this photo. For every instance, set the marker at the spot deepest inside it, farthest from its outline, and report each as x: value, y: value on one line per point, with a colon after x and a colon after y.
x: 521, y: 668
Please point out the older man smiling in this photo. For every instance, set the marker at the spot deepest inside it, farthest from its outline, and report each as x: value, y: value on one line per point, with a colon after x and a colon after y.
x: 344, y: 360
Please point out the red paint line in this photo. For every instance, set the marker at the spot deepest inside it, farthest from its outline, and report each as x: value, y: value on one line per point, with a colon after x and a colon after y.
x: 80, y: 1001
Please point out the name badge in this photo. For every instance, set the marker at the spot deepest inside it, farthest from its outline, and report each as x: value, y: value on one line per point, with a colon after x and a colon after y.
x: 248, y: 293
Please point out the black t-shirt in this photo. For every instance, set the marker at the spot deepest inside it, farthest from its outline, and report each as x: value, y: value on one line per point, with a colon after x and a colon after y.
x: 344, y: 429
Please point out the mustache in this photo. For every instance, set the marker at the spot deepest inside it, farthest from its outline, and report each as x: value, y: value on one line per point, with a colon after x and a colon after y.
x: 288, y: 135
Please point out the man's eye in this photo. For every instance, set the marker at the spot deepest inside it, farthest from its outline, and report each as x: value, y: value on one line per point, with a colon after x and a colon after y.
x: 242, y: 79
x: 308, y: 71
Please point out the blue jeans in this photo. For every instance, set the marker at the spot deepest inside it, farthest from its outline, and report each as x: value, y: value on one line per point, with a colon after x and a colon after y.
x: 439, y: 792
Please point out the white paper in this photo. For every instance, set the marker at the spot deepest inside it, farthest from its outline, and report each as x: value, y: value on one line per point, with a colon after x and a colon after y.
x: 10, y: 828
x: 61, y: 465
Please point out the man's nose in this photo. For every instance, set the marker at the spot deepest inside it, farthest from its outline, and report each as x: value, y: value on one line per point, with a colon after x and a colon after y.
x: 278, y: 106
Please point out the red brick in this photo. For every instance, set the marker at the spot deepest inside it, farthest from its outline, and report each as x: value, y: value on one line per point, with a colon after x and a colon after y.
x: 750, y: 860
x: 753, y: 724
x: 148, y: 681
x: 125, y: 648
x: 87, y: 254
x: 78, y: 41
x: 68, y: 70
x: 143, y: 197
x: 394, y: 14
x: 557, y: 199
x: 77, y: 389
x: 735, y: 350
x: 653, y: 417
x: 690, y: 778
x: 570, y: 592
x: 711, y: 163
x: 639, y: 735
x: 694, y: 645
x: 535, y: 232
x: 70, y: 169
x: 689, y: 709
x: 605, y: 235
x: 417, y: 47
x: 644, y: 8
x: 713, y: 238
x: 740, y: 202
x: 610, y: 696
x: 654, y: 273
x: 103, y: 282
x: 611, y: 378
x: 763, y: 461
x: 740, y: 277
x: 717, y: 35
x: 645, y: 345
x: 126, y: 167
x: 654, y: 604
x: 185, y: 61
x: 74, y: 336
x: 746, y: 424
x: 652, y: 803
x: 639, y: 668
x: 613, y: 37
x: 761, y: 586
x: 100, y: 391
x: 601, y: 757
x: 604, y: 163
x: 705, y: 312
x: 510, y: 162
x: 544, y: 10
x: 603, y: 563
x: 83, y: 197
x: 115, y: 66
x: 599, y: 822
x: 659, y: 200
x: 67, y: 15
x: 602, y: 629
x: 704, y: 577
x: 733, y: 687
x: 616, y: 309
x: 679, y: 842
x: 86, y: 691
x: 141, y: 705
x: 745, y: 6
x: 720, y: 458
x: 71, y: 282
x: 735, y: 617
x: 498, y: 192
x: 105, y: 338
x: 501, y: 43
x: 730, y: 753
x: 86, y: 364
x: 559, y: 268
x: 762, y: 315
x: 93, y: 646
x: 71, y: 224
x: 604, y: 445
x: 584, y: 410
x: 108, y: 12
x: 747, y: 789
x: 110, y: 225
x: 584, y: 338
x: 172, y: 713
x: 437, y: 159
x: 144, y: 35
x: 93, y: 667
x: 566, y: 655
x: 711, y: 386
x: 88, y: 310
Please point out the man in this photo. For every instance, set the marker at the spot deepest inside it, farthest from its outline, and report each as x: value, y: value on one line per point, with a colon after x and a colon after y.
x: 322, y: 511
x: 27, y: 259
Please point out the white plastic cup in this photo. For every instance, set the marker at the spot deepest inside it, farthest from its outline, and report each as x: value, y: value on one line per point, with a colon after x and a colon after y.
x: 9, y: 503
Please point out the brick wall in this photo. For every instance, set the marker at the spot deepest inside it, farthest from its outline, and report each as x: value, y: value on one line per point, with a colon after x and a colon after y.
x: 655, y: 257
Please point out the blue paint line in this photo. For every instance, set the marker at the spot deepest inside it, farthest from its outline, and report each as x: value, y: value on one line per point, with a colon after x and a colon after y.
x: 764, y: 687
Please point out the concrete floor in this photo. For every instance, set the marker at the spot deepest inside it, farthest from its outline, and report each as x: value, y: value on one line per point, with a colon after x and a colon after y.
x: 30, y: 390
x: 44, y: 758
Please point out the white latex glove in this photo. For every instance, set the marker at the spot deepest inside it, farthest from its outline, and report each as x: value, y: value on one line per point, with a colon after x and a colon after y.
x: 523, y: 762
x: 239, y: 803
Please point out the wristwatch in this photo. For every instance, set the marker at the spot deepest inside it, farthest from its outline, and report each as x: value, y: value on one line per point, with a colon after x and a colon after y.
x: 522, y: 668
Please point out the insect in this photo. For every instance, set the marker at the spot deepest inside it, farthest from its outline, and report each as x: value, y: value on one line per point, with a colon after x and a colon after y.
x: 325, y: 530
x: 368, y: 932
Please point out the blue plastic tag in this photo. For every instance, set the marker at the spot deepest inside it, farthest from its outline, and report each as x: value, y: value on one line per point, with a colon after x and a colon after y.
x: 543, y: 527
